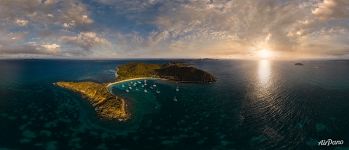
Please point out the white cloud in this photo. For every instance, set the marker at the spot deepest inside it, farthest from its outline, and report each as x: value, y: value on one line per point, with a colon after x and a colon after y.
x: 49, y: 2
x: 50, y: 46
x: 332, y: 9
x: 22, y: 22
x: 44, y: 12
x: 86, y: 40
x: 30, y: 48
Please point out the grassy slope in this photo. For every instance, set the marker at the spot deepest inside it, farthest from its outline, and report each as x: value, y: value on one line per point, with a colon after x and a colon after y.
x: 135, y: 70
x: 106, y: 104
x: 176, y: 72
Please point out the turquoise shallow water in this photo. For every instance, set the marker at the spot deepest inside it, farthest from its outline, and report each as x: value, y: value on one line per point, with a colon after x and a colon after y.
x: 253, y: 105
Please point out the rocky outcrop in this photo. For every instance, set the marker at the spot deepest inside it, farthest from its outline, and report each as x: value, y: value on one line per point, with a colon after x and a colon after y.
x: 106, y: 105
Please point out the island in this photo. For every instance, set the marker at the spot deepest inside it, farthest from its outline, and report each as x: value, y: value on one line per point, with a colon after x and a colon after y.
x: 298, y: 64
x: 109, y: 106
x: 171, y: 71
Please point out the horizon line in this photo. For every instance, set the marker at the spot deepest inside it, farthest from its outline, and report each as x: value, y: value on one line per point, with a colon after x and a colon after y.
x: 156, y: 58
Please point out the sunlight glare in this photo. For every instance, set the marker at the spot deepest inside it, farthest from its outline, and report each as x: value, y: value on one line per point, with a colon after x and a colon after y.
x: 265, y: 53
x: 264, y: 72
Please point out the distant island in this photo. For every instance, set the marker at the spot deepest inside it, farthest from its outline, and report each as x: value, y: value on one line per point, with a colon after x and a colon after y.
x: 298, y: 64
x: 113, y: 107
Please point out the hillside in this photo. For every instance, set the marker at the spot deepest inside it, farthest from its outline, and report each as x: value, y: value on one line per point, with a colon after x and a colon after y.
x: 171, y: 71
x: 106, y: 105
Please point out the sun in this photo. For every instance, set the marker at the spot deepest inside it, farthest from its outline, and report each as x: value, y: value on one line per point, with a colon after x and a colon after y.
x: 265, y: 54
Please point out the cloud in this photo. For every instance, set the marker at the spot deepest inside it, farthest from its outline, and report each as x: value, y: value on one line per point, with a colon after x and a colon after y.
x: 31, y: 48
x: 86, y: 40
x: 51, y: 47
x: 332, y: 9
x: 44, y: 12
x: 174, y: 28
x: 22, y: 22
x: 128, y: 6
x: 75, y: 14
x: 202, y: 27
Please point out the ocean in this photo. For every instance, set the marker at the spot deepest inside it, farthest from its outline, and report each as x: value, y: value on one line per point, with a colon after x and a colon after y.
x: 260, y: 104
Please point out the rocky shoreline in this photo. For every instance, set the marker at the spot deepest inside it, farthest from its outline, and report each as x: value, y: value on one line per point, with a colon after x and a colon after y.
x: 109, y: 106
x: 106, y: 104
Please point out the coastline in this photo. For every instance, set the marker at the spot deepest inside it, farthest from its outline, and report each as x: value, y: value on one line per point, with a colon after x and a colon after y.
x: 132, y: 79
x: 106, y: 104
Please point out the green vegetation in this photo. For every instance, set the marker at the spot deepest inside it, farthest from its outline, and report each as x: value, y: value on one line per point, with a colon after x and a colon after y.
x: 171, y: 71
x: 135, y: 70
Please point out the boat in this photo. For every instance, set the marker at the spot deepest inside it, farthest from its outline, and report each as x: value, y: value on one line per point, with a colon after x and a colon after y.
x: 145, y: 91
x: 127, y: 91
x: 158, y: 92
x: 175, y: 99
x: 177, y: 88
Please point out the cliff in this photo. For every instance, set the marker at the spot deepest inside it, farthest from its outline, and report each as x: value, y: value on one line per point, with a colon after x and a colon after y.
x: 106, y: 105
x: 171, y: 71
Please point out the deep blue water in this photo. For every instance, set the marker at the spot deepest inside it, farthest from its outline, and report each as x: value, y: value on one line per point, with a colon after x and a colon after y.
x: 253, y: 105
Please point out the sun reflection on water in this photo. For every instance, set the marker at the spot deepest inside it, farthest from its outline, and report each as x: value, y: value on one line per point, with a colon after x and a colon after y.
x: 263, y: 86
x: 264, y: 72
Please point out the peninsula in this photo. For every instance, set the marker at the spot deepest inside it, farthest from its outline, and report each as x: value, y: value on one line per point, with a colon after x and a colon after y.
x: 106, y: 105
x: 113, y: 107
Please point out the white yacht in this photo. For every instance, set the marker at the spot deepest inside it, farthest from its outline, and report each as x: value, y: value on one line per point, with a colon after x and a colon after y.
x: 175, y: 99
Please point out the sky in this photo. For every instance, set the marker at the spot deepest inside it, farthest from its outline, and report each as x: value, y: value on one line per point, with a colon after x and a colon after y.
x: 174, y: 28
